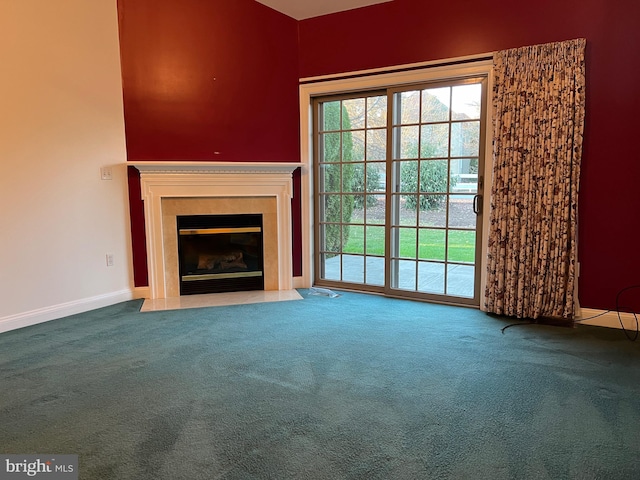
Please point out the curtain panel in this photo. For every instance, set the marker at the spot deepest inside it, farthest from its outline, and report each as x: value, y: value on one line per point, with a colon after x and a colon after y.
x: 538, y: 105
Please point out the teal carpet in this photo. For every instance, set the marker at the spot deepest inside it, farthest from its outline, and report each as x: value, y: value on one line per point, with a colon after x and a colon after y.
x: 355, y: 387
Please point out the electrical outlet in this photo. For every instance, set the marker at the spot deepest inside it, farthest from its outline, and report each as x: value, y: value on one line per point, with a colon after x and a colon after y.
x: 109, y: 259
x: 106, y: 173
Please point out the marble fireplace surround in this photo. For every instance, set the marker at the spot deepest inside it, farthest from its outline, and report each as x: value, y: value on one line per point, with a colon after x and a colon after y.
x: 170, y: 189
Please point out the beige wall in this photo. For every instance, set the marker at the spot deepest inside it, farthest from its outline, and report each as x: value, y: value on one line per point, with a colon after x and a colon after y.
x: 61, y: 120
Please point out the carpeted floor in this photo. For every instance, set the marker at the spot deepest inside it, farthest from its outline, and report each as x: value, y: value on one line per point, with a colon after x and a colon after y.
x: 354, y: 387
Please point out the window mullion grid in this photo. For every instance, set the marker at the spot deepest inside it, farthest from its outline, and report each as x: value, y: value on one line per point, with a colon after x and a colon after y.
x: 391, y: 194
x: 364, y: 190
x: 320, y: 185
x: 417, y: 229
x: 341, y: 193
x: 448, y: 197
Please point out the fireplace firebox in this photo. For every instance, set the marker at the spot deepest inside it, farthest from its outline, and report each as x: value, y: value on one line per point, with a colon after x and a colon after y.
x: 220, y: 253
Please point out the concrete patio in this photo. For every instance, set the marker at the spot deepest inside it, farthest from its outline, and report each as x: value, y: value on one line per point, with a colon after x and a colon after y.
x: 430, y: 278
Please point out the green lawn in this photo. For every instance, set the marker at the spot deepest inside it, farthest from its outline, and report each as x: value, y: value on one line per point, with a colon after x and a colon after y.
x: 430, y: 245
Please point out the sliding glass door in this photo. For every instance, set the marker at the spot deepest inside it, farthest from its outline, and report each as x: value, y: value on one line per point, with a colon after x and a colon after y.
x: 397, y: 190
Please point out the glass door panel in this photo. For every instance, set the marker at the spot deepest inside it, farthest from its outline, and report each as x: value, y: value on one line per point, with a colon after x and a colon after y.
x: 436, y: 160
x: 397, y: 178
x: 351, y: 190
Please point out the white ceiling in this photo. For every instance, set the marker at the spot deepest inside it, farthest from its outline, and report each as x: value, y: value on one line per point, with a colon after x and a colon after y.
x: 301, y: 9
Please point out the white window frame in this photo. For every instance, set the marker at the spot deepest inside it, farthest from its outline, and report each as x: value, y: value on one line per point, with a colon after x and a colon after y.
x: 381, y: 78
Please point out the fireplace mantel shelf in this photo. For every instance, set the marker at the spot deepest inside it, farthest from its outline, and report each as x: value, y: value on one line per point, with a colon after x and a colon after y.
x: 179, y: 167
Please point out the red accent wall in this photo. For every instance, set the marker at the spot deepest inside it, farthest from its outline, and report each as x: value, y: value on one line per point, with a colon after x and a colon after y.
x: 207, y: 80
x: 406, y: 31
x: 207, y: 76
x: 138, y: 235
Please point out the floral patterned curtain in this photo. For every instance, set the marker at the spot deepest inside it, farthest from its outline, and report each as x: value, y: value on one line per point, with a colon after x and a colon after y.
x: 538, y: 103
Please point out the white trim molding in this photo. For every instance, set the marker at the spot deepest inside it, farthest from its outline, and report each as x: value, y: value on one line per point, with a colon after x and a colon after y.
x: 179, y: 167
x: 607, y: 318
x: 54, y: 312
x: 141, y: 292
x: 455, y: 61
x: 177, y: 179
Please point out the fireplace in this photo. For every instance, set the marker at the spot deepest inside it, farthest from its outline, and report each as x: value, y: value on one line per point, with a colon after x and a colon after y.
x: 177, y: 189
x: 220, y: 253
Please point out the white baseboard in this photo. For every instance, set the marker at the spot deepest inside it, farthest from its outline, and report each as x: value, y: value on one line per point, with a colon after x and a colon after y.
x: 300, y: 282
x: 604, y: 318
x: 141, y: 292
x: 45, y: 314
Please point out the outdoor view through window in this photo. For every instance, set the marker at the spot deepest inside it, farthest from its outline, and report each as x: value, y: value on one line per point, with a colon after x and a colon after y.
x: 397, y: 185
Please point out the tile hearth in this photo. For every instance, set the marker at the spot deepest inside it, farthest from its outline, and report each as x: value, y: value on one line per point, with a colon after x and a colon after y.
x: 218, y: 300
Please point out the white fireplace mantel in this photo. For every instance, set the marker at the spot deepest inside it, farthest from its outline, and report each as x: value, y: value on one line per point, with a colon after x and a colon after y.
x: 177, y: 179
x: 182, y: 168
